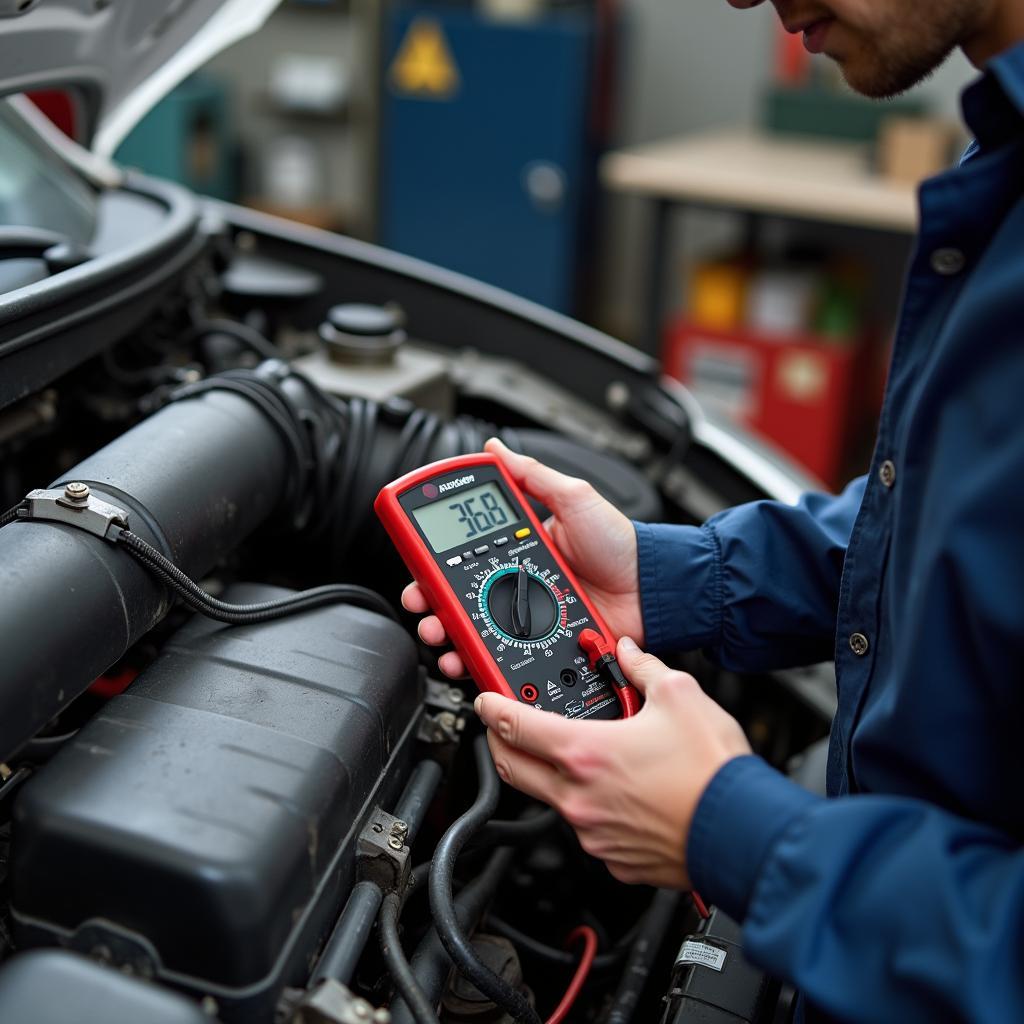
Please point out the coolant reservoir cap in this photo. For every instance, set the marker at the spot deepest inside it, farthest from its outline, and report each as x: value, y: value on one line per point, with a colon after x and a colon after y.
x: 358, y: 333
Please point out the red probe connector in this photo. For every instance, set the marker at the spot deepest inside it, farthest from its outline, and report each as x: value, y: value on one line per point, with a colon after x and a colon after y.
x: 603, y: 661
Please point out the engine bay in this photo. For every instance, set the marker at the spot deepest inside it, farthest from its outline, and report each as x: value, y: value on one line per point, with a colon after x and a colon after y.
x: 238, y: 821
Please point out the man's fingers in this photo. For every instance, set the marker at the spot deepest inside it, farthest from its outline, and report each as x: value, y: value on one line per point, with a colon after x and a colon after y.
x: 530, y: 775
x: 645, y: 671
x: 560, y: 493
x: 414, y: 600
x: 451, y: 665
x: 431, y: 631
x: 540, y: 733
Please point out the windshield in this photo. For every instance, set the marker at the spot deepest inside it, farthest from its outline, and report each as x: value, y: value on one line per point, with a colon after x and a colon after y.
x: 37, y: 189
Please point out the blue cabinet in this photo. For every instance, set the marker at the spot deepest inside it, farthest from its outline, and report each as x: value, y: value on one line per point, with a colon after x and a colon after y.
x: 486, y: 159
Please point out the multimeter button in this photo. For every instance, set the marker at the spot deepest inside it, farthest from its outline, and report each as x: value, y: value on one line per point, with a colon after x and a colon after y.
x: 482, y: 550
x: 467, y: 554
x: 500, y: 541
x: 455, y: 560
x: 529, y: 693
x: 524, y: 532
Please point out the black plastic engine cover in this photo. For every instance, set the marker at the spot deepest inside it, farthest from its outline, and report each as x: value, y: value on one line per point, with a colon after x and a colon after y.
x: 51, y: 986
x: 212, y: 809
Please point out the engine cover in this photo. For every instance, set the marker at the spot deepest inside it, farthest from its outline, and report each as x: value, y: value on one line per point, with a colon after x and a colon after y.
x: 203, y: 825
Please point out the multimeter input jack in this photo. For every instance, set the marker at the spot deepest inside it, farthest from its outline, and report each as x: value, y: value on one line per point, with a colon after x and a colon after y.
x: 529, y: 693
x: 568, y: 677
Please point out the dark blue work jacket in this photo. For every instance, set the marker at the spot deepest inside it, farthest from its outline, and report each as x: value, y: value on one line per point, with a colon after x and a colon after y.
x: 900, y: 898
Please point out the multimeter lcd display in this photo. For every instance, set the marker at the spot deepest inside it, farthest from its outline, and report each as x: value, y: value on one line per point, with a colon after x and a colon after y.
x: 464, y: 516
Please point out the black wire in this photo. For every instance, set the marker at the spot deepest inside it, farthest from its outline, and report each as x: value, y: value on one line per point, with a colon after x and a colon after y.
x: 14, y: 781
x: 11, y: 514
x: 442, y: 905
x: 245, y: 614
x: 241, y: 332
x: 510, y: 833
x: 397, y: 964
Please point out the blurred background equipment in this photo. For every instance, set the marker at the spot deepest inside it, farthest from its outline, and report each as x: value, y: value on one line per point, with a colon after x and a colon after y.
x: 754, y: 220
x: 487, y: 156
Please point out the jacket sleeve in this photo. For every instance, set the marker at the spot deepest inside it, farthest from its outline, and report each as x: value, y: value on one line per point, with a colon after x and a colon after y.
x: 756, y: 586
x: 865, y: 894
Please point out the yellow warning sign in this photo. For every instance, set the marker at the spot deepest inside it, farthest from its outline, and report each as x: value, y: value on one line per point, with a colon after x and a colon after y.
x: 424, y: 65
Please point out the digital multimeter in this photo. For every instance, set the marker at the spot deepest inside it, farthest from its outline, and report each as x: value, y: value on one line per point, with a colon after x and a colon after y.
x: 511, y: 606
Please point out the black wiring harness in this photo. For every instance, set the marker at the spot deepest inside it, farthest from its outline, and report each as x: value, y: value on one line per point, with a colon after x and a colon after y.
x: 340, y: 452
x: 442, y: 903
x: 245, y: 614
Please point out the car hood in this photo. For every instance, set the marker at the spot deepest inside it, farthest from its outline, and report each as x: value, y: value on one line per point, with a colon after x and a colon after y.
x: 118, y: 58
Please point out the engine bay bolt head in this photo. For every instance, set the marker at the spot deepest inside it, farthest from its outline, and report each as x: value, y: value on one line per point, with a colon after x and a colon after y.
x: 400, y: 828
x: 362, y: 1010
x: 395, y: 842
x: 209, y: 1006
x: 76, y: 492
x: 381, y: 1016
x: 456, y: 696
x: 617, y: 395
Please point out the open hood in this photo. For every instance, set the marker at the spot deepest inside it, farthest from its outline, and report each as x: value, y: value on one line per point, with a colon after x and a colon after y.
x: 119, y: 57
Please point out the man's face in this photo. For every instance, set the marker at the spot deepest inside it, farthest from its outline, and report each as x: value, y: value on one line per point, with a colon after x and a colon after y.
x: 883, y: 46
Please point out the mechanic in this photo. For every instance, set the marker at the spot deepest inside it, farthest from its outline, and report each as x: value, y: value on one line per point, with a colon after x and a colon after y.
x: 900, y: 898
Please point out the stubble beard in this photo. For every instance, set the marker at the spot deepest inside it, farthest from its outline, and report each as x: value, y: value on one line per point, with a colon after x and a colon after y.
x: 918, y: 41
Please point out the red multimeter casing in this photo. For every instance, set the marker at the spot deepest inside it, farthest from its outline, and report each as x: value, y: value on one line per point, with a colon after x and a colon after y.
x: 511, y: 606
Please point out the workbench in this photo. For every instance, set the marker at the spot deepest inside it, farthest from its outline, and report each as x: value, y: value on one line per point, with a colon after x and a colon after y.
x: 756, y: 175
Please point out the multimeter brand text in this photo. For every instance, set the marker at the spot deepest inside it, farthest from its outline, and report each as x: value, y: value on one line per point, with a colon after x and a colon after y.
x: 452, y: 484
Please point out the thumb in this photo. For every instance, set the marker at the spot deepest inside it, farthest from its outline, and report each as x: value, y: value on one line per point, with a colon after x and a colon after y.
x: 641, y: 669
x: 559, y: 493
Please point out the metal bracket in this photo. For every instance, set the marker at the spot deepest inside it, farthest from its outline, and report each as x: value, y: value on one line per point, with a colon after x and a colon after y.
x: 332, y: 1003
x: 381, y: 852
x: 74, y: 506
x: 447, y: 724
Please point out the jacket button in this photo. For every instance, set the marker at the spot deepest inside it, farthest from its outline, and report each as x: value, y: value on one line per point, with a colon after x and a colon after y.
x: 859, y: 644
x: 948, y: 262
x: 887, y: 473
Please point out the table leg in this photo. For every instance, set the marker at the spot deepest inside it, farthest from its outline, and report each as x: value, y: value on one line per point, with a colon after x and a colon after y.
x: 655, y: 307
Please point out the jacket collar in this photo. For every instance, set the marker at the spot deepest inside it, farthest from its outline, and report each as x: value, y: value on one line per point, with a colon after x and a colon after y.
x: 993, y: 106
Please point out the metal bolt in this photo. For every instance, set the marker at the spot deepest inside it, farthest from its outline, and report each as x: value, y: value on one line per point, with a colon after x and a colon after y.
x: 5, y: 772
x: 361, y: 1009
x: 400, y: 828
x: 887, y: 473
x: 446, y: 720
x: 395, y: 842
x: 381, y: 1016
x: 77, y: 492
x: 209, y: 1006
x: 456, y: 696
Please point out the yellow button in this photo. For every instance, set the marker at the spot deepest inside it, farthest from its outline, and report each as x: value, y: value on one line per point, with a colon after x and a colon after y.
x: 524, y: 532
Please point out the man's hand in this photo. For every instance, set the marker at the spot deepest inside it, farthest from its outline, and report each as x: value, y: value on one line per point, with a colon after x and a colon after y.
x: 596, y: 539
x: 629, y: 788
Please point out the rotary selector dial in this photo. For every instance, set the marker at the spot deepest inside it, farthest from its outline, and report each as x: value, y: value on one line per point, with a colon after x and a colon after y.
x: 522, y: 606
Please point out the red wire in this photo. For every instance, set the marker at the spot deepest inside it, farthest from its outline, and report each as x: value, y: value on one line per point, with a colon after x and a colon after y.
x: 589, y: 937
x: 630, y: 701
x: 699, y: 904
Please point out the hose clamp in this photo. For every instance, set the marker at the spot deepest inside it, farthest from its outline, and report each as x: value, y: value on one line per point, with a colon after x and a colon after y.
x: 74, y: 505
